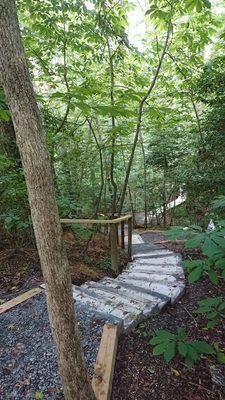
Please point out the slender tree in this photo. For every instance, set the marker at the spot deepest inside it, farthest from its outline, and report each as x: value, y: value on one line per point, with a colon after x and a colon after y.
x: 15, y: 79
x: 142, y: 104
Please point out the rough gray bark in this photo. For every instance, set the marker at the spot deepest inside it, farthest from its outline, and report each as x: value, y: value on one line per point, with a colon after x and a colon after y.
x: 18, y: 89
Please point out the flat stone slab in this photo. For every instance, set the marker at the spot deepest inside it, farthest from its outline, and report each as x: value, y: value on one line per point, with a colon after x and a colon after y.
x: 153, y: 279
x: 136, y: 292
x: 144, y: 247
x: 154, y: 254
x: 162, y: 260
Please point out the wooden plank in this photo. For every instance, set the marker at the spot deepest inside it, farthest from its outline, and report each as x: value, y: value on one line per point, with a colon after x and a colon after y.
x: 129, y: 248
x: 114, y: 248
x: 19, y: 299
x: 95, y: 221
x: 105, y: 363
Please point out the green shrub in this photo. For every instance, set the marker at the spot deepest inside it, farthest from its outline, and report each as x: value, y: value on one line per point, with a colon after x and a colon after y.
x: 213, y: 308
x: 169, y: 344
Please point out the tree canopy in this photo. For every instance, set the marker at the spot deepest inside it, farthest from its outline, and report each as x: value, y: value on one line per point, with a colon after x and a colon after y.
x: 128, y: 126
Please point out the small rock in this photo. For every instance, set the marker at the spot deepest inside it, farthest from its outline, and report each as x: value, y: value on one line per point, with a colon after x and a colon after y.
x: 6, y: 370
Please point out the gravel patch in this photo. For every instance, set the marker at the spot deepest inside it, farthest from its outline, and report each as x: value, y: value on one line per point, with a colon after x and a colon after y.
x: 27, y: 355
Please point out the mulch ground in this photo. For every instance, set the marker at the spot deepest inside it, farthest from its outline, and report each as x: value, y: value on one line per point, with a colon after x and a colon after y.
x: 20, y: 267
x: 141, y: 376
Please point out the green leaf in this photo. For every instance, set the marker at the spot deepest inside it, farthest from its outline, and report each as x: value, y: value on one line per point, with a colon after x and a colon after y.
x: 212, y: 315
x: 196, y: 227
x: 222, y: 306
x: 198, y: 6
x: 190, y: 4
x: 38, y: 396
x: 182, y: 348
x: 164, y: 334
x: 180, y: 333
x: 207, y: 4
x: 220, y: 263
x: 221, y: 357
x: 219, y: 240
x: 203, y: 310
x: 113, y: 111
x: 156, y: 340
x: 176, y: 232
x: 219, y: 202
x: 212, y: 324
x: 192, y: 264
x: 83, y: 106
x: 4, y: 115
x: 169, y: 352
x: 195, y: 275
x: 213, y: 277
x: 159, y: 349
x: 202, y: 347
x: 192, y: 353
x: 209, y: 248
x: 210, y: 301
x: 195, y: 241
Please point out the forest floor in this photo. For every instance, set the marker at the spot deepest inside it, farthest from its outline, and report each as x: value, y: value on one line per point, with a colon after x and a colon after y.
x: 141, y: 376
x: 138, y: 374
x: 20, y: 267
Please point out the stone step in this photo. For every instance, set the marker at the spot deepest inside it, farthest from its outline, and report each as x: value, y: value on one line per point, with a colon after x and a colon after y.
x: 97, y: 290
x: 142, y: 248
x: 160, y: 261
x: 144, y: 286
x: 143, y: 275
x: 135, y: 292
x: 153, y: 279
x: 174, y: 291
x: 158, y: 269
x: 154, y: 254
x: 148, y: 304
x: 108, y: 309
x: 171, y: 290
x: 175, y: 273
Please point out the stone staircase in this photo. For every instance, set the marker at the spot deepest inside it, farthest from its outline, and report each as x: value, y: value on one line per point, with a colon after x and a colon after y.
x: 153, y: 279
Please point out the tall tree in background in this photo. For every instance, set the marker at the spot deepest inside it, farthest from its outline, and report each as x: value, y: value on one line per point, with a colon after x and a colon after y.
x: 15, y: 79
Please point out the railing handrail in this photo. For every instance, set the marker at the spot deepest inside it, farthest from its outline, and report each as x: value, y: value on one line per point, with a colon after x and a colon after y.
x: 96, y: 221
x: 113, y: 224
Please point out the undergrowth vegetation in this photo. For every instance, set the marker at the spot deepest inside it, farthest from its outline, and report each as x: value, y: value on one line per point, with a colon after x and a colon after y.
x: 211, y: 243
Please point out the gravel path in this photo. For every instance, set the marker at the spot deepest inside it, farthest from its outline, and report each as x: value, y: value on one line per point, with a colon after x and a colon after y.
x: 27, y: 356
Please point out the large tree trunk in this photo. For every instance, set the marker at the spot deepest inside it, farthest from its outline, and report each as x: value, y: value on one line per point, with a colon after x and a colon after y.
x: 17, y: 85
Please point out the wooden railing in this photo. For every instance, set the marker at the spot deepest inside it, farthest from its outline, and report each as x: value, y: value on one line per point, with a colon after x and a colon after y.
x: 113, y: 225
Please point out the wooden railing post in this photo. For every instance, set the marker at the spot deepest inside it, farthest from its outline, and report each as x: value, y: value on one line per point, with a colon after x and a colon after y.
x: 129, y: 249
x: 122, y: 235
x: 117, y: 233
x: 114, y: 249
